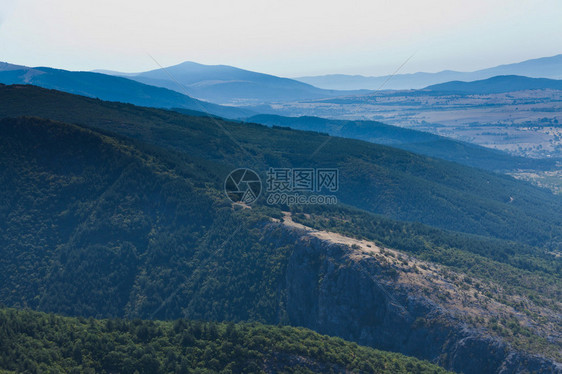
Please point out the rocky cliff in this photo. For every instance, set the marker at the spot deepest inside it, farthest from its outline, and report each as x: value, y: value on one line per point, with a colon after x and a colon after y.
x: 337, y: 290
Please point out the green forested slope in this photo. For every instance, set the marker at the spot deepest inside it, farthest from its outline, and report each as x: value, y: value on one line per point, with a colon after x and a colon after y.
x: 136, y: 224
x: 376, y: 178
x: 91, y: 217
x: 34, y: 342
x: 94, y: 226
x: 97, y: 225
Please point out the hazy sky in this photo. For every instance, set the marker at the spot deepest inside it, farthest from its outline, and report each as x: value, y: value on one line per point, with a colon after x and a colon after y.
x: 288, y: 38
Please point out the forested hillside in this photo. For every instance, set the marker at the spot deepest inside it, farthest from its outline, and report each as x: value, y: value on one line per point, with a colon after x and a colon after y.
x: 34, y: 342
x: 122, y: 214
x: 376, y: 178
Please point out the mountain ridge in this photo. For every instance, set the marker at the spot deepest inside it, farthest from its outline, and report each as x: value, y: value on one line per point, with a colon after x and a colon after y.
x: 497, y: 84
x: 543, y: 67
x: 230, y: 85
x: 111, y: 88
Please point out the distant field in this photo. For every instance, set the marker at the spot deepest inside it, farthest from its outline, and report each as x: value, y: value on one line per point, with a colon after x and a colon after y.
x: 525, y: 123
x: 548, y: 179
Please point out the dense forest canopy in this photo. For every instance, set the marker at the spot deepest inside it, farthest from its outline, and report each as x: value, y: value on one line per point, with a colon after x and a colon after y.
x: 117, y: 211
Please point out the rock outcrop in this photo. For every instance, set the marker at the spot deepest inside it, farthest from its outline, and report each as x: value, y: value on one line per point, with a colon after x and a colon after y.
x: 330, y: 290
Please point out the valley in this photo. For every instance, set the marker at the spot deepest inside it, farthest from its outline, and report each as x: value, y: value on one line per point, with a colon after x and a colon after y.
x: 524, y: 123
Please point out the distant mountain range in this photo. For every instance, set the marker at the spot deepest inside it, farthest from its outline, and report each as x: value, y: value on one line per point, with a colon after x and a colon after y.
x: 546, y: 67
x: 230, y: 85
x: 126, y: 90
x: 498, y: 84
x: 111, y: 88
x: 195, y: 87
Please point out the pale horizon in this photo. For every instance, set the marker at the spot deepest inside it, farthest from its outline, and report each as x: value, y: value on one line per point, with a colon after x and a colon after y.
x: 288, y: 38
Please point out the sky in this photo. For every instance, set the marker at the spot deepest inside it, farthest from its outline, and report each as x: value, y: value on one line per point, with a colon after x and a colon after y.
x: 288, y: 38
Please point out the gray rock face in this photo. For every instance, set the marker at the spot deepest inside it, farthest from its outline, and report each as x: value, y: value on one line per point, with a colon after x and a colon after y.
x: 334, y: 294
